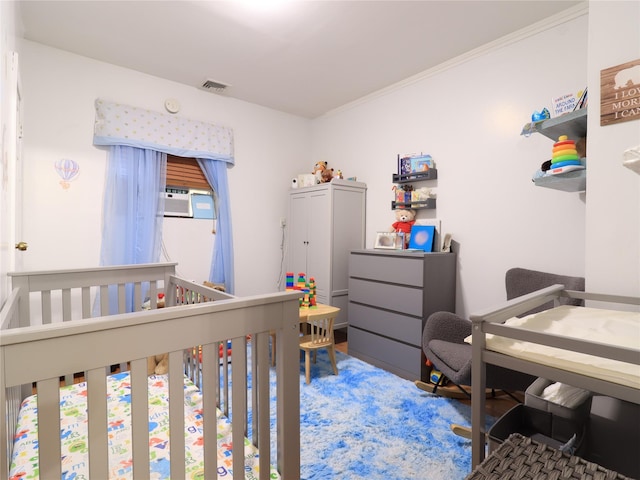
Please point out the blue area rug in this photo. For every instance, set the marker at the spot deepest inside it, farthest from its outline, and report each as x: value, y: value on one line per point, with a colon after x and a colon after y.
x: 366, y: 423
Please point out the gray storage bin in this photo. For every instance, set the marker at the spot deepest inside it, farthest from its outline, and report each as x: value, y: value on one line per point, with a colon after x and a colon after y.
x: 545, y: 421
x: 566, y: 420
x: 526, y: 421
x: 577, y: 411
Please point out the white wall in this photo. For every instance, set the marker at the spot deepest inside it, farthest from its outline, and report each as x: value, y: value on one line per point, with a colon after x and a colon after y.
x: 7, y: 46
x: 63, y: 226
x: 468, y: 115
x: 613, y: 208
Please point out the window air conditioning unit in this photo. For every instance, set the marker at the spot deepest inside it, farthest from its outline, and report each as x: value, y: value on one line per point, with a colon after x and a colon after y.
x: 177, y: 203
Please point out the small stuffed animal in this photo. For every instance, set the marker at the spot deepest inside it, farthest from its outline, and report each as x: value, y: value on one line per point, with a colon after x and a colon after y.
x: 219, y: 287
x: 158, y: 364
x: 405, y: 218
x: 322, y: 172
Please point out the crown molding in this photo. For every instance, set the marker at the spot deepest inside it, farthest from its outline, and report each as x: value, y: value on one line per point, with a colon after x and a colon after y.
x: 526, y: 32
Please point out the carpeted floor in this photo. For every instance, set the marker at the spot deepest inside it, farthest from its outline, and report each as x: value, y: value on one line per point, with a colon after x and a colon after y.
x: 366, y: 423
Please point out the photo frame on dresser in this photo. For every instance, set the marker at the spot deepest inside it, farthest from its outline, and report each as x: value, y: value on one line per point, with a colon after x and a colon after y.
x: 389, y: 240
x: 422, y: 237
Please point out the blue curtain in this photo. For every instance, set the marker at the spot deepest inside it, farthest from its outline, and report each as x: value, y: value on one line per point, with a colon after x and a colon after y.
x: 133, y: 210
x: 215, y: 172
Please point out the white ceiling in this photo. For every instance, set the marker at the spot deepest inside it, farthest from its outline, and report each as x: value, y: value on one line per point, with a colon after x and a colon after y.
x: 301, y: 57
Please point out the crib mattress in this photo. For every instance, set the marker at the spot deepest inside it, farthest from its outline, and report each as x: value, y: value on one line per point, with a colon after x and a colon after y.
x: 613, y: 327
x: 73, y: 426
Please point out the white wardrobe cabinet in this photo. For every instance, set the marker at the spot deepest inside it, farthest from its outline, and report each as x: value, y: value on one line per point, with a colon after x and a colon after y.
x: 326, y: 222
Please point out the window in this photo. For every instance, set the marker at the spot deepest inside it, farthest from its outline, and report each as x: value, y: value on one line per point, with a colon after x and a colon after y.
x: 185, y: 172
x: 189, y: 193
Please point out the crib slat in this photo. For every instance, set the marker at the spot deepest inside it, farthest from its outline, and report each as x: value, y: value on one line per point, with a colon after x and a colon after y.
x: 122, y: 298
x: 140, y: 419
x: 209, y: 380
x: 122, y: 308
x: 45, y: 299
x: 216, y: 373
x: 66, y: 304
x: 86, y: 302
x: 153, y: 294
x: 256, y: 346
x: 97, y: 419
x: 49, y: 449
x: 224, y: 395
x: 261, y: 405
x: 239, y: 400
x: 137, y: 294
x: 176, y: 415
x: 104, y: 300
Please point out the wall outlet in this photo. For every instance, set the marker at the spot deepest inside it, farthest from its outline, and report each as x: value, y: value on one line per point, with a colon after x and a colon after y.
x: 283, y: 222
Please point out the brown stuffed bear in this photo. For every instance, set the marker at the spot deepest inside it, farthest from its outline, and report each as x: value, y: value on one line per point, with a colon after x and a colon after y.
x: 322, y: 172
x: 158, y: 364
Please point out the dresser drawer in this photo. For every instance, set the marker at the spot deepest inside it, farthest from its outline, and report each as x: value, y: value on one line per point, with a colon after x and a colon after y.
x: 391, y: 297
x: 390, y: 324
x: 392, y: 269
x: 395, y: 357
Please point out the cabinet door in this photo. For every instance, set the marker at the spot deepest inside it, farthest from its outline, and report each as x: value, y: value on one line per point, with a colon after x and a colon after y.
x: 319, y: 249
x: 348, y: 234
x: 297, y: 257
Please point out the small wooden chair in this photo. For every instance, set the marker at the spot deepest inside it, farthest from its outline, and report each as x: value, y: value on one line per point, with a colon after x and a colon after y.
x: 320, y: 335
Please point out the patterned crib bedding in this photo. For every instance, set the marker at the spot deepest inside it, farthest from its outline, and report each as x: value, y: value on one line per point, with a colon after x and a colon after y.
x: 73, y: 429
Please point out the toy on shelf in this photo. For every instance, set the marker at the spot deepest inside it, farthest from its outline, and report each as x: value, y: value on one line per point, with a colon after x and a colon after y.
x: 564, y: 157
x: 308, y: 289
x: 541, y: 115
x: 402, y: 194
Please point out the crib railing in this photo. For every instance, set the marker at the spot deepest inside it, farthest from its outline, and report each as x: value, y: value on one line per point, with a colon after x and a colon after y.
x: 100, y: 342
x: 44, y: 297
x: 63, y: 295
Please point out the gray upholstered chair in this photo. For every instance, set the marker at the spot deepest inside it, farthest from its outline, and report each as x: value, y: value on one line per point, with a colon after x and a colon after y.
x: 444, y: 334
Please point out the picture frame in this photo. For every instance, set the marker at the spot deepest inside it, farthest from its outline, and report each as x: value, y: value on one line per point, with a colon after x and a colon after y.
x: 422, y: 237
x: 389, y: 241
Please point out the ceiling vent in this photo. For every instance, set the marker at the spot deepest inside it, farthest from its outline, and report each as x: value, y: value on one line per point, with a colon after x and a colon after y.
x: 213, y: 86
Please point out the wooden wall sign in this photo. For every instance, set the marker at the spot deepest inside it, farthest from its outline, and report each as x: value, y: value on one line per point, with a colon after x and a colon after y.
x: 620, y: 93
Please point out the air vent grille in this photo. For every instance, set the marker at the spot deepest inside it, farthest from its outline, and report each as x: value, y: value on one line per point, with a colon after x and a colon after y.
x: 214, y: 86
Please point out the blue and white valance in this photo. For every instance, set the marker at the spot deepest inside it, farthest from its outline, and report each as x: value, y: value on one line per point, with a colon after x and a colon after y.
x: 118, y: 124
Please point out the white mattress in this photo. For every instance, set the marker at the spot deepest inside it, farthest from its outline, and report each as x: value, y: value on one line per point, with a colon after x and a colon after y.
x: 611, y: 327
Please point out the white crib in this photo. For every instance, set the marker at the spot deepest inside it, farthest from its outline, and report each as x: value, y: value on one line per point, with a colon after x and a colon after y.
x: 48, y: 333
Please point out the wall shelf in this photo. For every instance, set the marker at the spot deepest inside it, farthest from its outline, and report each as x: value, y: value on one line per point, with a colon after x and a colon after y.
x: 431, y: 174
x: 575, y: 181
x: 429, y: 203
x: 572, y: 124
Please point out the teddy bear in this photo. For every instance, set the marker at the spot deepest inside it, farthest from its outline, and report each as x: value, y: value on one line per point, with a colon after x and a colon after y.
x: 322, y: 172
x: 405, y: 219
x: 158, y: 364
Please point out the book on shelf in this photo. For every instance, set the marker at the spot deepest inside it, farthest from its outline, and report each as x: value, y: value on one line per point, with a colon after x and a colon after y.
x: 412, y: 163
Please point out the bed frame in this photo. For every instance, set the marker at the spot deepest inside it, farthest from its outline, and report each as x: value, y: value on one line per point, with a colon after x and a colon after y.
x: 491, y: 321
x: 67, y: 340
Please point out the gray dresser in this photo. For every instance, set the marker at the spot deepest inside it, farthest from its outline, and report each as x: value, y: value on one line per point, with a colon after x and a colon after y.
x: 391, y: 294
